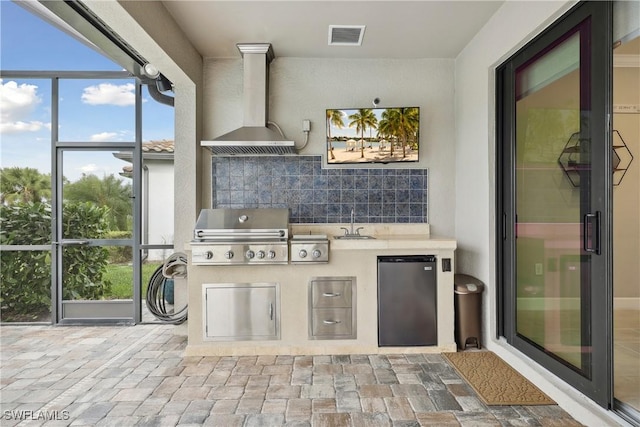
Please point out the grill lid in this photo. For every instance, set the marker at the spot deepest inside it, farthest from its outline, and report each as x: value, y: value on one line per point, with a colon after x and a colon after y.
x: 242, y: 224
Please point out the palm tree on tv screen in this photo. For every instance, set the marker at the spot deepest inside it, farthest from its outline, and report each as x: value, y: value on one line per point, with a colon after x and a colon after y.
x: 361, y: 120
x: 400, y: 123
x: 334, y: 117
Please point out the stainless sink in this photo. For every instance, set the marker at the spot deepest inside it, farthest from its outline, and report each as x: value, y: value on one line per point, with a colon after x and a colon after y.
x: 353, y: 237
x: 352, y: 233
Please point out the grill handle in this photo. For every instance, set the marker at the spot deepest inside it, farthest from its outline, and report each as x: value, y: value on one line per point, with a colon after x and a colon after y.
x: 236, y: 235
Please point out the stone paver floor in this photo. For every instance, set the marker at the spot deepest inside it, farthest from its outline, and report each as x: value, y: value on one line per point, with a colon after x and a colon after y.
x: 138, y: 376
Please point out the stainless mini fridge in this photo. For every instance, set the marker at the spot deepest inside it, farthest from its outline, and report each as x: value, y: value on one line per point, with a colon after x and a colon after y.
x: 407, y: 301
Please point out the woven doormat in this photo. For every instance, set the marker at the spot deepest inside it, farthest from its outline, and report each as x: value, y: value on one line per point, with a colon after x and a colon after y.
x: 495, y: 381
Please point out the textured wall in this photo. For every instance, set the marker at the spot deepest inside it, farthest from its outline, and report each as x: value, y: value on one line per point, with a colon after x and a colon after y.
x: 303, y: 88
x: 317, y: 195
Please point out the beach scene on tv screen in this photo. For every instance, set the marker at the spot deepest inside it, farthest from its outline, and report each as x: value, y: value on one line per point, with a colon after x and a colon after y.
x: 373, y: 135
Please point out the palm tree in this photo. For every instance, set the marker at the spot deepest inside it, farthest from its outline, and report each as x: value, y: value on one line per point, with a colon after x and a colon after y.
x: 108, y: 191
x: 361, y: 120
x: 24, y: 185
x: 334, y: 117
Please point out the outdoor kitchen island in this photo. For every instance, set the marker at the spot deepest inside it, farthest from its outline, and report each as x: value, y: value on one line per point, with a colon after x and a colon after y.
x: 350, y: 261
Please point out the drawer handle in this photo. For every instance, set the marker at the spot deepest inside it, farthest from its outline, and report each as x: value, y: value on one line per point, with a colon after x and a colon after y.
x: 330, y: 322
x: 330, y: 294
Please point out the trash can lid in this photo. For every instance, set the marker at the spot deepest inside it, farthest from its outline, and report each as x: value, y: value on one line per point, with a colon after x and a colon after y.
x: 465, y: 284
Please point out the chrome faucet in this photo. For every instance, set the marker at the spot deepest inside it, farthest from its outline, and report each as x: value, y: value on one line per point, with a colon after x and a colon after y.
x: 351, y: 232
x: 353, y: 218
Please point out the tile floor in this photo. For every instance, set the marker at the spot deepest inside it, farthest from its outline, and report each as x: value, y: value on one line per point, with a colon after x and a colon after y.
x: 137, y: 375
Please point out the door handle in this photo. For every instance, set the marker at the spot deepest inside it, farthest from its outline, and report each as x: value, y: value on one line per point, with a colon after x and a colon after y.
x: 504, y: 226
x: 330, y: 322
x: 74, y: 242
x: 330, y: 294
x: 270, y: 311
x: 591, y: 233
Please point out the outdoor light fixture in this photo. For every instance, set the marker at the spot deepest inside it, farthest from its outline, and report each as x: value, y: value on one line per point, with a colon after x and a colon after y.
x: 162, y: 83
x: 573, y: 165
x: 150, y: 71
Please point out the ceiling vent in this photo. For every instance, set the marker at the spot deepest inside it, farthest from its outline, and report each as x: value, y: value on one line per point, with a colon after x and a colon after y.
x: 346, y: 35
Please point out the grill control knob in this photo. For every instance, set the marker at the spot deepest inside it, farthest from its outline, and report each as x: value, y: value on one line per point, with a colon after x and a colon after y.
x: 271, y: 254
x: 208, y: 255
x: 260, y: 254
x: 316, y: 253
x: 250, y: 254
x: 302, y: 253
x: 228, y: 254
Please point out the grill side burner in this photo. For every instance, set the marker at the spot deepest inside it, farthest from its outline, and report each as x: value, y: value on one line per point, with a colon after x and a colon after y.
x: 309, y: 249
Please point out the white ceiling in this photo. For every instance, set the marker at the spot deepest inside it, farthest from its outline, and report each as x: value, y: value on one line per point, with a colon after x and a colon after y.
x: 394, y: 29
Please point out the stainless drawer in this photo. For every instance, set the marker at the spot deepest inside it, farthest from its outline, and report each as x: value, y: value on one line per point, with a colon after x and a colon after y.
x: 331, y: 323
x: 330, y: 293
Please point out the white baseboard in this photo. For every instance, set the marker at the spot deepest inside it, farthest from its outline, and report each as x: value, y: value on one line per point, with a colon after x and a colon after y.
x: 629, y: 303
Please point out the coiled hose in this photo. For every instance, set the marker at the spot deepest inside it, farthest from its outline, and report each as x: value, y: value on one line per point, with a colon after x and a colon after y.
x: 174, y: 266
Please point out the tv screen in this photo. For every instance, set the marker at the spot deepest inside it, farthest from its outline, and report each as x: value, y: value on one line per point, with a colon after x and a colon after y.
x: 373, y: 135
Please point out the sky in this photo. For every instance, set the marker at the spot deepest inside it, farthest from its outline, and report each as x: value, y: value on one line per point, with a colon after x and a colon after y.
x: 351, y: 132
x: 90, y: 110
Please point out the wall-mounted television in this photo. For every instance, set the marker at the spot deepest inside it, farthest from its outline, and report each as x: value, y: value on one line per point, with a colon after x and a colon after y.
x: 373, y: 135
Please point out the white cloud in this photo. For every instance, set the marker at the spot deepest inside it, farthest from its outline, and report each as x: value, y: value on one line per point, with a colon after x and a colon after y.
x: 110, y: 94
x: 17, y: 103
x: 17, y: 127
x: 94, y: 169
x: 89, y: 168
x: 104, y: 136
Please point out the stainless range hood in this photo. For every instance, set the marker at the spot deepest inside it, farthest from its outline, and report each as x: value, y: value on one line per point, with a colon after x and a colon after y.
x: 254, y: 137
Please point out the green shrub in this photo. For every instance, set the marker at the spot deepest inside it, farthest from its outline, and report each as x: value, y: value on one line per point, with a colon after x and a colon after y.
x: 83, y: 266
x: 25, y: 276
x: 119, y: 254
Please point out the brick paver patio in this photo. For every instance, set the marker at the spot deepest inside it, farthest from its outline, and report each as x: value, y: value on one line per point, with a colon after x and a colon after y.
x: 137, y: 375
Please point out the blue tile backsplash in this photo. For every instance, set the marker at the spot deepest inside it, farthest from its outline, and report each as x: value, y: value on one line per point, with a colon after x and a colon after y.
x: 317, y: 195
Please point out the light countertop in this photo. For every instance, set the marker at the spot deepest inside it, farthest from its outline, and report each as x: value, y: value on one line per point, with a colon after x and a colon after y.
x: 387, y: 236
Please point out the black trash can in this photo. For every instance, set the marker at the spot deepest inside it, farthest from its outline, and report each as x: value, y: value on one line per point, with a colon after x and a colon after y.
x: 468, y: 310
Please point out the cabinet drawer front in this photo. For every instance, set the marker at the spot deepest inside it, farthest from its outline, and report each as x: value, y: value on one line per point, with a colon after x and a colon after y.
x: 331, y: 293
x: 331, y: 322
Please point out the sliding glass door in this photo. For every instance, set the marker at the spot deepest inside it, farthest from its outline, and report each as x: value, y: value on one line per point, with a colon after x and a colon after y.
x: 626, y: 208
x: 555, y: 172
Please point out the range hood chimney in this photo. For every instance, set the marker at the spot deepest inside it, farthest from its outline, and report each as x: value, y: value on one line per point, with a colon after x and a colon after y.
x: 254, y: 137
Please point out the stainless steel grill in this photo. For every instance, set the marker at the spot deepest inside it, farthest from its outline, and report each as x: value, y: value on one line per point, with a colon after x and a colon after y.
x: 241, y: 236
